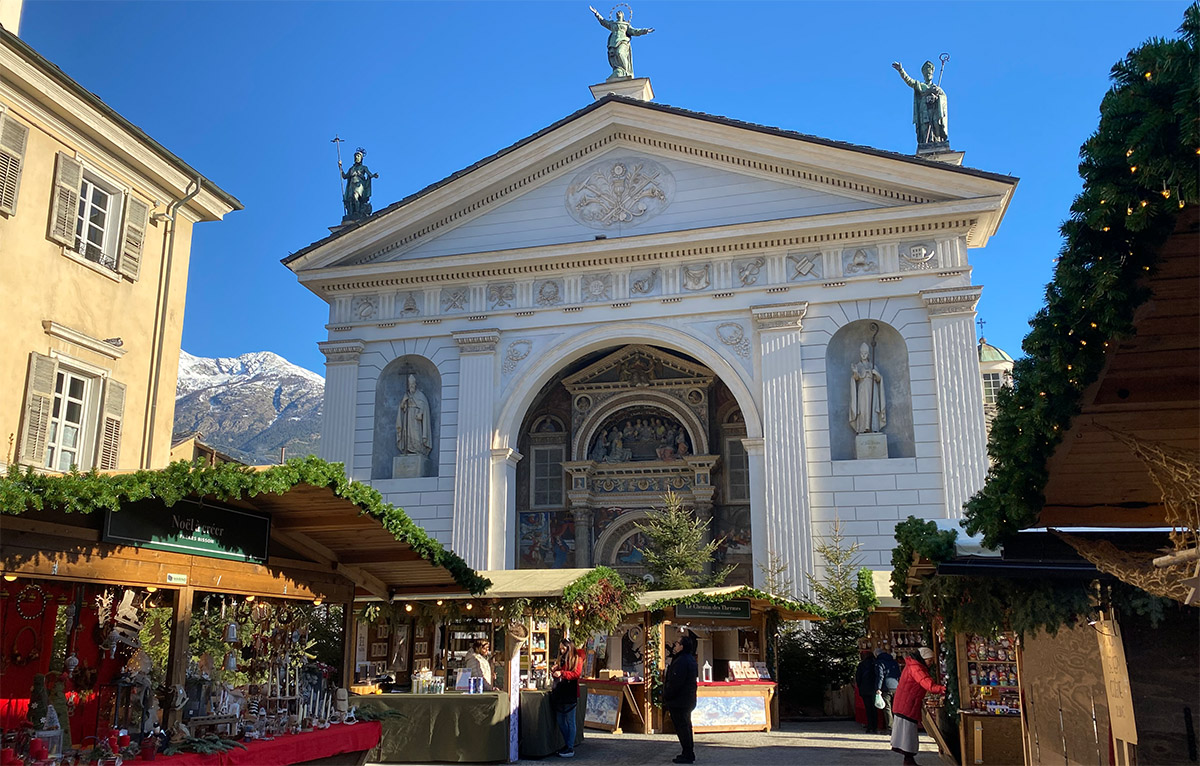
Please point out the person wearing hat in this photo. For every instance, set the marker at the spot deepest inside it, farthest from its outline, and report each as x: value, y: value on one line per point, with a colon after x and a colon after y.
x: 679, y: 693
x: 915, y: 683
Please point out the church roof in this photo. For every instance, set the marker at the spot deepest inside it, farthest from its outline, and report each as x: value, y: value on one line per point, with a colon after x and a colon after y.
x: 989, y: 353
x: 614, y: 98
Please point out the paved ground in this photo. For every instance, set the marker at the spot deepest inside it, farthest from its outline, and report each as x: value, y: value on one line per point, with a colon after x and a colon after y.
x: 796, y: 744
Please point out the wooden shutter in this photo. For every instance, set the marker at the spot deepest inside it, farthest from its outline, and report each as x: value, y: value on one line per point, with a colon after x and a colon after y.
x: 39, y: 405
x: 13, y: 136
x: 133, y: 236
x: 112, y: 415
x: 64, y: 204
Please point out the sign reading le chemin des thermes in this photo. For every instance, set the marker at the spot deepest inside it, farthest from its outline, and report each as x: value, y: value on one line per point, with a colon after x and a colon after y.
x: 734, y: 609
x: 192, y: 528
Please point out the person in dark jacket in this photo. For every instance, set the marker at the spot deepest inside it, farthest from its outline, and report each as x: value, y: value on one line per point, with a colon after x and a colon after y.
x: 887, y: 678
x: 864, y: 679
x: 679, y: 693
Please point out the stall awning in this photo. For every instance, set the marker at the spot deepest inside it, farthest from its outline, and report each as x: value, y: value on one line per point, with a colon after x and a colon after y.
x: 314, y: 510
x: 759, y: 600
x: 520, y: 583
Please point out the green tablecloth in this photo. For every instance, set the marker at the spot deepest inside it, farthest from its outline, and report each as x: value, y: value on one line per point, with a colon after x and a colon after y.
x: 455, y: 728
x: 539, y: 725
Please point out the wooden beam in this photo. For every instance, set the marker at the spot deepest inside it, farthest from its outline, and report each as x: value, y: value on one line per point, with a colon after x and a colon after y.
x: 379, y: 556
x: 302, y: 543
x: 179, y: 653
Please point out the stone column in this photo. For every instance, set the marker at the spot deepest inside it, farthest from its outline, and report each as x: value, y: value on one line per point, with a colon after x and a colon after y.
x: 960, y: 393
x: 502, y: 541
x: 788, y: 527
x: 583, y: 537
x: 470, y: 525
x: 341, y: 395
x: 756, y: 458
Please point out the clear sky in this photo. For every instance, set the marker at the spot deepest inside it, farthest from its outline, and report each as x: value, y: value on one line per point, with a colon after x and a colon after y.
x: 250, y: 93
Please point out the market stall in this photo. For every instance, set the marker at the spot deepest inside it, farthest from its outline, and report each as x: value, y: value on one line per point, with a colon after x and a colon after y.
x: 434, y: 671
x: 203, y: 611
x: 737, y: 629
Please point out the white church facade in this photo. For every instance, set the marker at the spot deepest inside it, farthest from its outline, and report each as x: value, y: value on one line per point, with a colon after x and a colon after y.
x: 638, y: 299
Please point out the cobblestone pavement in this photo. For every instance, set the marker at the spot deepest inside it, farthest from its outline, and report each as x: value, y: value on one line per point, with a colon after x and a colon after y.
x: 796, y: 744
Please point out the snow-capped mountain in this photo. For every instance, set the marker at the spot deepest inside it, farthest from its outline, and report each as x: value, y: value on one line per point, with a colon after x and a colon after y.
x: 249, y: 406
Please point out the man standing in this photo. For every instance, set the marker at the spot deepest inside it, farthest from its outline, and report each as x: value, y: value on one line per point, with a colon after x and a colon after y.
x: 864, y: 679
x: 679, y: 693
x: 887, y: 678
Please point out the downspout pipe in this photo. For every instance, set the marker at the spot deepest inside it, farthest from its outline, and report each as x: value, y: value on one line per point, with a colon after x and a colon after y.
x: 160, y: 321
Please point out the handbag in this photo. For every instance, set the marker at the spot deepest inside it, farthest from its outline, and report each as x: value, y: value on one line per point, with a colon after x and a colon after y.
x: 879, y: 701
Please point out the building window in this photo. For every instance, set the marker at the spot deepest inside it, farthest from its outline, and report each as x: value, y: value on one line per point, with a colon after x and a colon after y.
x: 66, y: 437
x: 547, y: 477
x: 97, y: 222
x: 992, y: 382
x: 737, y: 470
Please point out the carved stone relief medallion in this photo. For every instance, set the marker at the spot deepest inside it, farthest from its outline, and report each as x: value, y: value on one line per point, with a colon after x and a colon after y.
x: 597, y: 287
x: 548, y: 292
x: 622, y: 191
x: 502, y: 295
x: 733, y: 335
x: 366, y: 306
x: 697, y: 277
x: 918, y: 257
x: 515, y: 353
x: 860, y: 261
x: 804, y: 266
x: 408, y: 305
x: 748, y: 271
x: 455, y: 299
x: 644, y: 282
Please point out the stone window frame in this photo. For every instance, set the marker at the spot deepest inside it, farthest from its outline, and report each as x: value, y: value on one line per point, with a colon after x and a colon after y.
x: 541, y: 442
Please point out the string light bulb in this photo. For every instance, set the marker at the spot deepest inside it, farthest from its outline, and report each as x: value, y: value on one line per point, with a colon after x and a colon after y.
x: 318, y: 602
x: 250, y: 598
x: 439, y: 602
x: 151, y: 589
x: 408, y: 607
x: 1133, y: 168
x: 9, y: 577
x: 470, y: 606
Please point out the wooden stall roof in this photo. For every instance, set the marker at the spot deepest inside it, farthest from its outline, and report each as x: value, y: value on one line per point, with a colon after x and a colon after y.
x: 759, y: 600
x: 315, y: 512
x: 1148, y: 390
x: 519, y: 583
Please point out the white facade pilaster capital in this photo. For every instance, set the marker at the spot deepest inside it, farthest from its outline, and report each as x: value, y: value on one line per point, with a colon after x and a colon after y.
x: 476, y: 341
x: 780, y: 316
x: 506, y: 455
x: 757, y: 447
x: 341, y: 351
x: 942, y: 301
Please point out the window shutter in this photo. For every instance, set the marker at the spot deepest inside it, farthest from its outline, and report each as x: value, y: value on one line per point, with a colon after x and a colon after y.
x: 13, y: 136
x: 112, y: 415
x: 64, y: 205
x: 39, y: 403
x: 133, y: 237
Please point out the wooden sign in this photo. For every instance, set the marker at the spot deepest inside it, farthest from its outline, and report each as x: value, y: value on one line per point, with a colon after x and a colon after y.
x: 187, y: 527
x: 734, y: 609
x: 1116, y: 681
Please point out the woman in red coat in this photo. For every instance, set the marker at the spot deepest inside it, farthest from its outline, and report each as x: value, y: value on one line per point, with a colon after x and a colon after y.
x: 906, y: 704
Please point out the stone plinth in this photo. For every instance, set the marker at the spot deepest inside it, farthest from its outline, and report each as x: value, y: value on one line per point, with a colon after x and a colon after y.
x: 870, y: 446
x: 631, y: 87
x: 408, y: 466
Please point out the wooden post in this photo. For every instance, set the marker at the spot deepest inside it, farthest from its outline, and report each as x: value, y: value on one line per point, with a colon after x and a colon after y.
x: 180, y: 650
x: 350, y: 645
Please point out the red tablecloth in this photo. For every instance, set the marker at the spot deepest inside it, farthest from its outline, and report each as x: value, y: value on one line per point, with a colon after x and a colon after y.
x: 288, y: 749
x: 737, y: 683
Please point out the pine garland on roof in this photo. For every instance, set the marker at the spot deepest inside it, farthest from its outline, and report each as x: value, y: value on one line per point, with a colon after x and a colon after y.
x: 1139, y: 170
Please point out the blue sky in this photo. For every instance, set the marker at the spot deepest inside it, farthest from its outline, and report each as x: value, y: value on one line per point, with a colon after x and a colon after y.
x: 250, y: 93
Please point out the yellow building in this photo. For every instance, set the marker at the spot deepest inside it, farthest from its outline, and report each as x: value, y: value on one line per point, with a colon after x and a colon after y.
x: 95, y: 237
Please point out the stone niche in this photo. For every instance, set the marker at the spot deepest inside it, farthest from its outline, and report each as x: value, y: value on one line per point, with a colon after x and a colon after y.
x: 891, y: 359
x: 390, y: 389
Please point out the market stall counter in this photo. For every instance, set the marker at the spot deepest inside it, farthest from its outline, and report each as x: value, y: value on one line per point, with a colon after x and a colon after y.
x: 540, y: 736
x: 450, y: 727
x: 341, y: 745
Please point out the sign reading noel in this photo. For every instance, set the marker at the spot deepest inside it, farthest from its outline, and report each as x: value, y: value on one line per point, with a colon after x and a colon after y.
x: 192, y: 528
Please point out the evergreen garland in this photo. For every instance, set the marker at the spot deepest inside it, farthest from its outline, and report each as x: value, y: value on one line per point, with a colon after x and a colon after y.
x: 1139, y: 170
x: 87, y: 492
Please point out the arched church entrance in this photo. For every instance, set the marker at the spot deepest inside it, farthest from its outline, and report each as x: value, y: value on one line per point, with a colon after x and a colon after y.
x: 607, y: 438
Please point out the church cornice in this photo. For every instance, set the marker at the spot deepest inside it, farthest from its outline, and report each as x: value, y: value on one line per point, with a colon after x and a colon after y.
x: 841, y: 229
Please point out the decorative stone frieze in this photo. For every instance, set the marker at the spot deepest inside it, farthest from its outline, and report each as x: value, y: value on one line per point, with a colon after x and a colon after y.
x: 859, y: 261
x: 622, y: 191
x: 501, y: 296
x: 517, y: 351
x: 733, y: 335
x: 804, y: 266
x: 951, y: 300
x: 696, y: 278
x: 919, y: 256
x: 476, y: 341
x: 341, y: 351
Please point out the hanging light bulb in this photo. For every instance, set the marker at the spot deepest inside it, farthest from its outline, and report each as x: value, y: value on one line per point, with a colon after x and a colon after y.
x: 250, y: 598
x: 317, y: 602
x: 439, y: 602
x: 151, y: 589
x: 470, y: 606
x: 408, y: 607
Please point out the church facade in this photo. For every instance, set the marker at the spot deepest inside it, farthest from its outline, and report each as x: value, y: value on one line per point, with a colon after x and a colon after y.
x: 639, y: 299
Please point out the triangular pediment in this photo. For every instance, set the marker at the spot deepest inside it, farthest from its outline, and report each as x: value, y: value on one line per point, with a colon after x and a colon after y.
x: 620, y: 169
x: 638, y: 366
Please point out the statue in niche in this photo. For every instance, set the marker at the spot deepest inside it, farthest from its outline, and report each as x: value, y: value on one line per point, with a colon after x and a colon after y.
x: 929, y: 107
x: 868, y: 411
x: 412, y: 422
x: 620, y: 55
x: 357, y: 196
